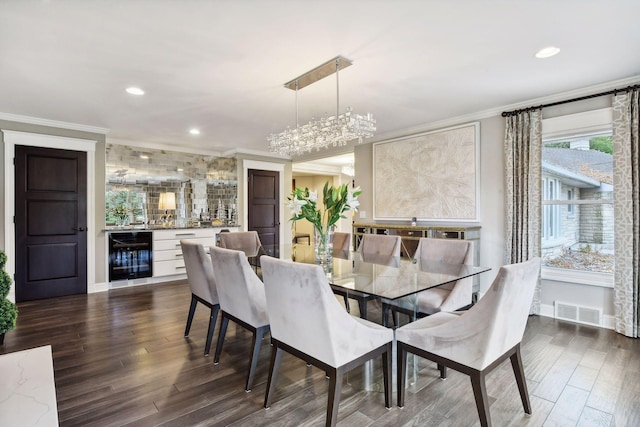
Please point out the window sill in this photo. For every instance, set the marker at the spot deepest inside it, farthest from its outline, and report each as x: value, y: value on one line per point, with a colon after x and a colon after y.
x: 591, y: 278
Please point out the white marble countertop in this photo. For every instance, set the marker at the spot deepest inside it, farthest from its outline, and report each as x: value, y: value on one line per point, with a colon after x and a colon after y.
x: 27, y: 388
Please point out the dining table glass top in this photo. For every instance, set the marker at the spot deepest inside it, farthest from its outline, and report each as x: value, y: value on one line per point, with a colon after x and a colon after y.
x: 388, y: 278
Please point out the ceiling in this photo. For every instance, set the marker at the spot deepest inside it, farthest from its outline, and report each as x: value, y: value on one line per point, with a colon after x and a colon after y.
x: 220, y: 66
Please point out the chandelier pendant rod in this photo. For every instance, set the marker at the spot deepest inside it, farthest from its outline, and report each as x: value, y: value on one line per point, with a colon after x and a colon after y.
x: 337, y: 88
x: 297, y: 125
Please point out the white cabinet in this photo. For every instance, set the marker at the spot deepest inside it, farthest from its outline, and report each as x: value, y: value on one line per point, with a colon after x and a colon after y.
x: 167, y: 253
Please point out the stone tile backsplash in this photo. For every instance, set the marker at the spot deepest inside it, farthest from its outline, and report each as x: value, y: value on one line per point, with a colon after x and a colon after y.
x: 204, y: 185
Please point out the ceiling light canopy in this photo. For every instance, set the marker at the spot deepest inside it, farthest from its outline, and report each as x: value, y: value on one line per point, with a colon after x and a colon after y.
x: 547, y: 52
x: 329, y: 130
x: 134, y: 91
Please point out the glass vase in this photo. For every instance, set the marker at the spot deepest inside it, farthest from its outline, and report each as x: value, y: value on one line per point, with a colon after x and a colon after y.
x: 323, y: 245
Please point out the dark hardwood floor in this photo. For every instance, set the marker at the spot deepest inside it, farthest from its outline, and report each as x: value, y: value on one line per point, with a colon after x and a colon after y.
x: 120, y: 358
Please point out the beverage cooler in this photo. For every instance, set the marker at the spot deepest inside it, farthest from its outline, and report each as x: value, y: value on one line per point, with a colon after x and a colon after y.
x: 130, y: 255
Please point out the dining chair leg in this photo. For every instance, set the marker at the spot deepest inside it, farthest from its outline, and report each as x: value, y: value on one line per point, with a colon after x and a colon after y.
x: 335, y: 386
x: 224, y: 322
x: 386, y: 372
x: 385, y: 314
x: 518, y: 370
x: 346, y: 304
x: 362, y: 304
x: 192, y: 311
x: 276, y: 356
x: 482, y: 399
x: 443, y: 371
x: 258, y: 334
x: 212, y: 324
x: 401, y: 372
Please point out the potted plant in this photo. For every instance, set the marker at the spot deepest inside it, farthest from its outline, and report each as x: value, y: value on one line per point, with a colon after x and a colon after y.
x: 8, y: 310
x: 337, y: 201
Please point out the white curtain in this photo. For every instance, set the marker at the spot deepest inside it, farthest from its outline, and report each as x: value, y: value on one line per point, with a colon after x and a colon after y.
x: 523, y: 169
x: 626, y: 175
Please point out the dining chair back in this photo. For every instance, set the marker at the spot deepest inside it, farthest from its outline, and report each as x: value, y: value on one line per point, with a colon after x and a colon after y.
x: 242, y: 300
x: 245, y: 241
x: 452, y: 296
x: 479, y: 339
x: 308, y: 322
x: 202, y: 283
x: 341, y: 245
x: 374, y: 246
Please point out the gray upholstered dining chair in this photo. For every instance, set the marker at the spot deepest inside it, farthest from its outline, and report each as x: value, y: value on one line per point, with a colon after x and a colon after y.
x: 341, y: 245
x: 242, y: 299
x: 308, y: 322
x: 341, y: 249
x: 374, y: 246
x: 478, y: 340
x: 245, y: 241
x: 203, y: 285
x: 377, y: 249
x: 449, y: 297
x: 453, y: 296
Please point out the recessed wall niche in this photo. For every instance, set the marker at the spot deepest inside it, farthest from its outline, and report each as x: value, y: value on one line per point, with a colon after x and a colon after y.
x: 204, y: 186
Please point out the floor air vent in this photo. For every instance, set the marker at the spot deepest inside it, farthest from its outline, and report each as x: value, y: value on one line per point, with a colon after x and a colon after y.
x: 579, y: 314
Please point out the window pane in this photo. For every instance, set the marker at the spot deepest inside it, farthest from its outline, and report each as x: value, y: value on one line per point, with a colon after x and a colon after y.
x: 580, y: 235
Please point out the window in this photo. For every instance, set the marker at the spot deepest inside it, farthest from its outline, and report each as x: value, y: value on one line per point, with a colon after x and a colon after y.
x: 577, y: 207
x: 550, y: 213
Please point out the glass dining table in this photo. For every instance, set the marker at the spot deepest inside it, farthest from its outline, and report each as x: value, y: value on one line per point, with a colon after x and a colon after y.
x: 393, y: 280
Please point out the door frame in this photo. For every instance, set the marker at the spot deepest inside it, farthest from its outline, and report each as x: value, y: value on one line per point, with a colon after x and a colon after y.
x: 13, y: 138
x: 266, y: 166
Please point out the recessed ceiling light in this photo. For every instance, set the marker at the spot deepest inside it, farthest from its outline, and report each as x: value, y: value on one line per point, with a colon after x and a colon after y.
x: 194, y: 131
x: 547, y: 52
x: 135, y: 90
x: 144, y: 156
x: 180, y: 170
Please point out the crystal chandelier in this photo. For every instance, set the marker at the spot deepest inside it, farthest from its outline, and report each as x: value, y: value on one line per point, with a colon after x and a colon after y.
x: 327, y: 131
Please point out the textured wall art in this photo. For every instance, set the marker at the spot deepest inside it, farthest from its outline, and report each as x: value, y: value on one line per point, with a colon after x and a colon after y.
x: 432, y: 176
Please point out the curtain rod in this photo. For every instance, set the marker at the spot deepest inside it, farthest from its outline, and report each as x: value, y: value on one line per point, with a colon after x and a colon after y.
x: 581, y: 98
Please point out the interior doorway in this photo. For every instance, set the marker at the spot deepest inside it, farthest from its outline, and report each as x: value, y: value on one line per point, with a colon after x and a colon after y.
x: 263, y: 206
x: 50, y: 222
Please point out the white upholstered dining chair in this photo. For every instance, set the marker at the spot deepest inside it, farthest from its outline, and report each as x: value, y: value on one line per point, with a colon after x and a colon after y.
x: 308, y: 322
x: 478, y: 340
x: 242, y: 299
x: 203, y: 286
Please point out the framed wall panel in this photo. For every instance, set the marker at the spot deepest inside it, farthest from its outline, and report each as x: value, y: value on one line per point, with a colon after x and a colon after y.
x: 432, y: 176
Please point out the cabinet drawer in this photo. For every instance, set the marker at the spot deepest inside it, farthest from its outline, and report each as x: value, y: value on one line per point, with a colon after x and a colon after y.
x: 187, y: 233
x: 408, y: 233
x: 168, y: 268
x: 167, y: 255
x: 167, y: 245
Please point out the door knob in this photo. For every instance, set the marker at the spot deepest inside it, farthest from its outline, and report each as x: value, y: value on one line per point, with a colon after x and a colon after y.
x: 79, y: 229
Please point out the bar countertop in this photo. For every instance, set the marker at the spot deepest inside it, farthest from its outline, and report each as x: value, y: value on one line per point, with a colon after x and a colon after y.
x: 152, y: 227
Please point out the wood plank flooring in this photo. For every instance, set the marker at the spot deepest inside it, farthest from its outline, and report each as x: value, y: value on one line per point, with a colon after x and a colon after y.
x: 120, y: 359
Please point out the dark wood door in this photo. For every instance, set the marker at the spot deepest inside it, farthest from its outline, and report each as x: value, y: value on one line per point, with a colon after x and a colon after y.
x: 51, y: 229
x: 264, y: 206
